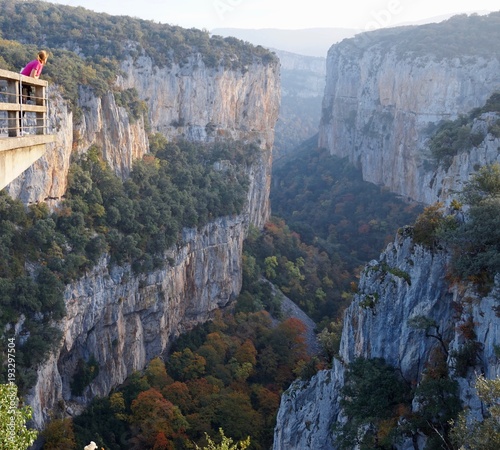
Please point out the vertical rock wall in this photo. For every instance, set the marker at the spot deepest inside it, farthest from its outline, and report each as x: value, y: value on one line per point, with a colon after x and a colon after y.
x: 120, y: 319
x: 379, y: 107
x: 407, y: 281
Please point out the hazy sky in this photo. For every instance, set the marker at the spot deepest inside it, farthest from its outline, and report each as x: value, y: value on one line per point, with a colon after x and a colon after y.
x: 285, y: 14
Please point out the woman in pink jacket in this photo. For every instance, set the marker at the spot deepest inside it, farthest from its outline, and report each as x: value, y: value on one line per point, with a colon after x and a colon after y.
x: 34, y: 68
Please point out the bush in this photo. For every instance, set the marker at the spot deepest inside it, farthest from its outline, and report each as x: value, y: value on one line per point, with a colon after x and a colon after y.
x: 428, y: 224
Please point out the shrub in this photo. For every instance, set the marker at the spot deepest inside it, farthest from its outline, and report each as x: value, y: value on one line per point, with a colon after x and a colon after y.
x: 427, y: 225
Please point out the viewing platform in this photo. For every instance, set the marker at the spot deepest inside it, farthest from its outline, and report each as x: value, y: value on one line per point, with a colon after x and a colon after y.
x: 23, y: 123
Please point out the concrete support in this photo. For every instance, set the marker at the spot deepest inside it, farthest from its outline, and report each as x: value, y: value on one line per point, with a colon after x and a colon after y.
x: 17, y: 154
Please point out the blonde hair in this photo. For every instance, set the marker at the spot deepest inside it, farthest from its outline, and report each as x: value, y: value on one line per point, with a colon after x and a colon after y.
x: 42, y: 56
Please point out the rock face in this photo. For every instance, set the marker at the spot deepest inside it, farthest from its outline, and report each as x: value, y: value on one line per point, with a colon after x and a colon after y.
x: 191, y: 102
x: 120, y: 319
x: 123, y: 321
x: 407, y: 281
x: 379, y: 105
x: 301, y: 76
x: 202, y: 103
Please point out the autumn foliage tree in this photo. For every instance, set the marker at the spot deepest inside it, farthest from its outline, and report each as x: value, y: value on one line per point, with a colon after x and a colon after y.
x: 157, y: 420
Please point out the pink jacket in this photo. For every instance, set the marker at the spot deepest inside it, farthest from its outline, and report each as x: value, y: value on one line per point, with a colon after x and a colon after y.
x: 33, y: 65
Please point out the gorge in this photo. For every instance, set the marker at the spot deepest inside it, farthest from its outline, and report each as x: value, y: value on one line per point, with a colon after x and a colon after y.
x: 388, y: 94
x: 121, y: 319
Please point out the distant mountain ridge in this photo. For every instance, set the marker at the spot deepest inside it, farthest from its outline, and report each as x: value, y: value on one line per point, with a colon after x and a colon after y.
x: 307, y: 41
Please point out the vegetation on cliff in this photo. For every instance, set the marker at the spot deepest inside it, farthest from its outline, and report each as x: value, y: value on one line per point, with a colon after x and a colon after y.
x: 452, y: 137
x: 379, y: 417
x: 379, y: 404
x: 470, y: 228
x: 87, y: 48
x: 105, y: 40
x: 175, y: 186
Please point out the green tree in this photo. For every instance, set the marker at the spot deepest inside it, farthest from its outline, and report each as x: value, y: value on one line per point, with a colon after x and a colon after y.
x: 471, y: 434
x: 428, y: 224
x: 14, y: 435
x: 329, y: 338
x: 186, y: 365
x: 371, y: 397
x: 270, y: 264
x: 226, y: 443
x: 476, y: 241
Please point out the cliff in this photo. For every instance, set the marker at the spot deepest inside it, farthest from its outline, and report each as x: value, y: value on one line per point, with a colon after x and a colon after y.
x: 123, y: 321
x: 385, y: 91
x: 120, y: 319
x: 407, y: 281
x: 190, y: 101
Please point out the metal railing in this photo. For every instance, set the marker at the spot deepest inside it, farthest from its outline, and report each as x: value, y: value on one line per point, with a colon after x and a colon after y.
x: 23, y: 105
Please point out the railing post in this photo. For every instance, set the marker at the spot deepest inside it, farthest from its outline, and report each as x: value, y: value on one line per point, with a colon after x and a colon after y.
x: 13, y: 117
x: 40, y: 116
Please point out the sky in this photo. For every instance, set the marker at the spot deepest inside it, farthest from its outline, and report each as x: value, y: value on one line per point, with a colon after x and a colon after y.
x: 285, y: 14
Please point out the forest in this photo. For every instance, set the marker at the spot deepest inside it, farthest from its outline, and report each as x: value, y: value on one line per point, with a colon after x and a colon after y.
x: 86, y: 48
x: 462, y: 36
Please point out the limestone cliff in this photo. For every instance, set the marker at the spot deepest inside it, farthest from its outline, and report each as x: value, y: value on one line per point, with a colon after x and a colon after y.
x: 407, y: 281
x: 120, y: 319
x: 123, y: 321
x: 385, y: 90
x: 302, y: 88
x: 190, y: 101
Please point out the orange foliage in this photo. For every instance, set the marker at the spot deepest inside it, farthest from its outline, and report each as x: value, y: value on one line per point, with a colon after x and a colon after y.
x: 178, y: 394
x: 246, y: 353
x: 162, y: 443
x: 153, y: 414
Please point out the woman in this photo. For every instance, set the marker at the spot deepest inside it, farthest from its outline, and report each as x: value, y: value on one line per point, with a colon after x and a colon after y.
x: 34, y: 68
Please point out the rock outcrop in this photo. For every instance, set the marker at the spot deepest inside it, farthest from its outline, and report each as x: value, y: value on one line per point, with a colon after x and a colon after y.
x: 384, y: 96
x: 381, y: 102
x: 407, y: 281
